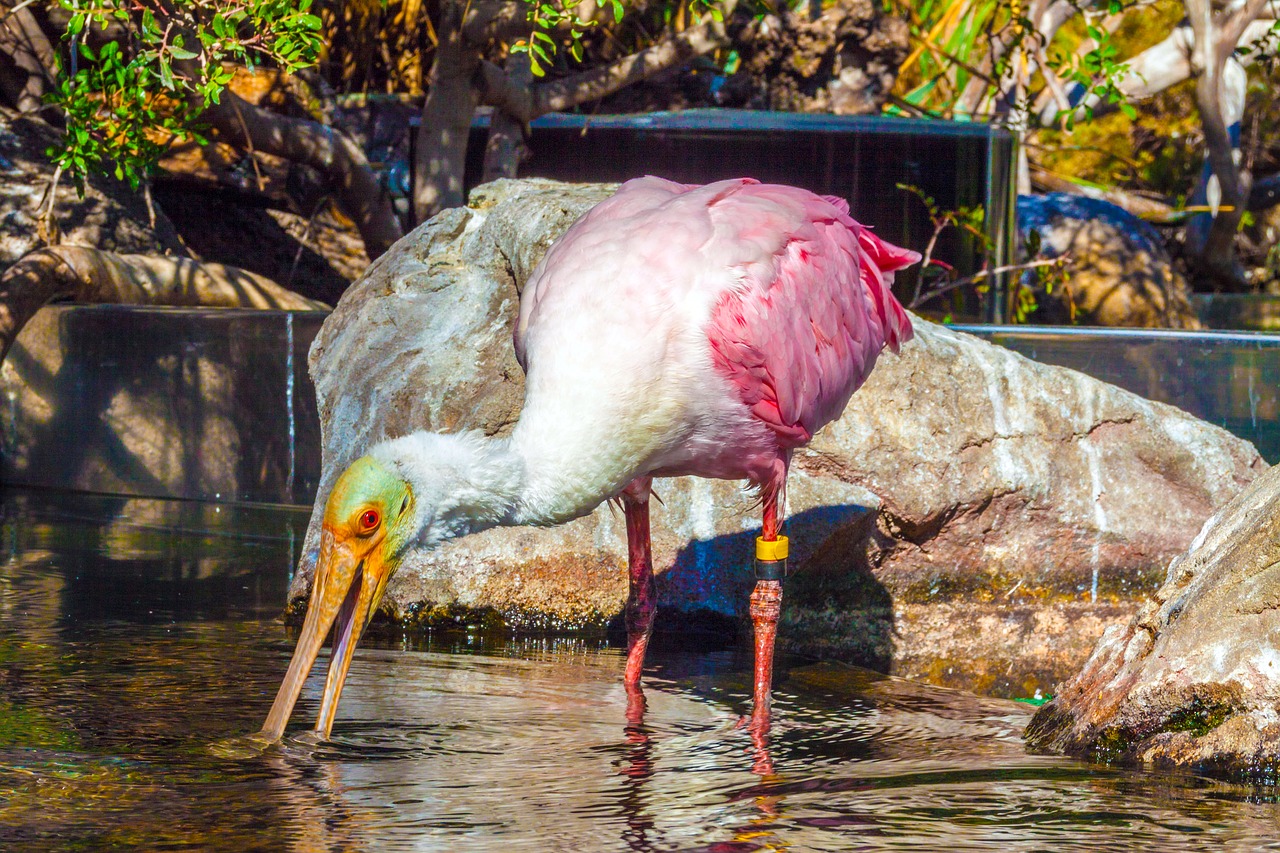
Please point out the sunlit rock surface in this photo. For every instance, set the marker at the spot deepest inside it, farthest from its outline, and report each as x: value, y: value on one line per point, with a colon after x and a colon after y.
x: 1194, y: 678
x: 974, y: 518
x: 107, y: 216
x: 1120, y: 272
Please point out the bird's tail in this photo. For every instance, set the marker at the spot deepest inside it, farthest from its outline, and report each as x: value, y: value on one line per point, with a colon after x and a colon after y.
x: 879, y: 261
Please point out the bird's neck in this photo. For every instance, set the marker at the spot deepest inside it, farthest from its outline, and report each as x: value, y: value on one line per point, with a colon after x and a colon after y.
x: 462, y: 482
x: 467, y: 482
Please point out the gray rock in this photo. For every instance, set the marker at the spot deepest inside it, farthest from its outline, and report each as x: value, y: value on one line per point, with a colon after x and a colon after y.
x: 1120, y: 273
x: 109, y: 216
x: 974, y: 517
x: 1194, y: 678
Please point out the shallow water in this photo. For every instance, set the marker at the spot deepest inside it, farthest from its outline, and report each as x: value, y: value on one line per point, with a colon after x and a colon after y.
x: 135, y: 636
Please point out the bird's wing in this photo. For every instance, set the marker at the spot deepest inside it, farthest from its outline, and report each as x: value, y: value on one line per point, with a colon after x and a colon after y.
x: 812, y: 308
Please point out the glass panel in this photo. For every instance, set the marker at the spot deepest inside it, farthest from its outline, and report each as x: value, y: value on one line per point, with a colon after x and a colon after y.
x: 209, y: 404
x: 1257, y: 312
x: 1229, y: 379
x: 860, y: 158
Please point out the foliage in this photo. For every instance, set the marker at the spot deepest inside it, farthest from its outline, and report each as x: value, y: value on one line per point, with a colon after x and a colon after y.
x: 938, y: 278
x: 954, y: 56
x: 137, y: 73
x: 547, y: 19
x: 544, y: 19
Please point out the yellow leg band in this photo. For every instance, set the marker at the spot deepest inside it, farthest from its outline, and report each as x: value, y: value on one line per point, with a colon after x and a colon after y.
x: 770, y: 552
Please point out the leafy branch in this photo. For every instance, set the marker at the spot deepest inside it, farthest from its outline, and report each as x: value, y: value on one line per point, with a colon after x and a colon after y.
x: 938, y: 278
x: 562, y: 22
x: 130, y: 98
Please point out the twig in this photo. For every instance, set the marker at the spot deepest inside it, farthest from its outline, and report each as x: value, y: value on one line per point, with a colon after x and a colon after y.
x: 933, y: 293
x: 248, y: 143
x: 302, y: 242
x: 45, y: 227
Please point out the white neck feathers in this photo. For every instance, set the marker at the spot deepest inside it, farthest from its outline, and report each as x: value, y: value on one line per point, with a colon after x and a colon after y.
x: 461, y: 482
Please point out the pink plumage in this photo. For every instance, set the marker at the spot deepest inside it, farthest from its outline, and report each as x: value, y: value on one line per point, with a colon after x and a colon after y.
x: 706, y: 330
x: 787, y: 298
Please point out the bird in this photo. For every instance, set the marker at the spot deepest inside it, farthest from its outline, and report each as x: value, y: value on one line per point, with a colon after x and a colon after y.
x: 673, y: 329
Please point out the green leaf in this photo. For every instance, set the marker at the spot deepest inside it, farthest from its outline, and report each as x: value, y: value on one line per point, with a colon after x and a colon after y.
x: 618, y: 10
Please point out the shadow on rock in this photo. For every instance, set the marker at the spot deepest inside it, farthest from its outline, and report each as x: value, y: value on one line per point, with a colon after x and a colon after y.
x: 834, y: 607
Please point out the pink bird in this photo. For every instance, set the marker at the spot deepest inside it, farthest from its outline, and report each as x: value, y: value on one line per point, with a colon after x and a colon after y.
x: 672, y: 330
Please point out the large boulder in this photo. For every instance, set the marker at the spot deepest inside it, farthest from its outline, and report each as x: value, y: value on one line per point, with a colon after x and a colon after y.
x: 974, y: 517
x: 1119, y: 272
x: 1194, y: 678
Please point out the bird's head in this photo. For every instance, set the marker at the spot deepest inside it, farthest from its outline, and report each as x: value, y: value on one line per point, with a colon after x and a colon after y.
x: 370, y: 518
x: 418, y: 490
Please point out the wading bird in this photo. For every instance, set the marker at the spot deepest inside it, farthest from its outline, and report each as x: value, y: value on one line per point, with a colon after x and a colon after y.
x: 672, y: 330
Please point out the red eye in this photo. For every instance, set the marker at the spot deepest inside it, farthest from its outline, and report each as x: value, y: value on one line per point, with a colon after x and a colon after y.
x: 369, y: 520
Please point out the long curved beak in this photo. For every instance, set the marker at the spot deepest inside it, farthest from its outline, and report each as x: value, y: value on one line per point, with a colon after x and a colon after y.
x: 349, y: 580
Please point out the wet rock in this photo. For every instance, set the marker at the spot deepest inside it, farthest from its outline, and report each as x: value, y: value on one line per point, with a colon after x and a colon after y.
x: 974, y: 518
x: 1120, y: 272
x: 1194, y: 678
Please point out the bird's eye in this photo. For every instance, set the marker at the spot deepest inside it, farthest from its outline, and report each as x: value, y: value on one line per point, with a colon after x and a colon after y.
x: 404, y: 504
x: 369, y: 520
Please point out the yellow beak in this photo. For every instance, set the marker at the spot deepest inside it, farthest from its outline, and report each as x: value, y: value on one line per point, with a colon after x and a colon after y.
x: 350, y: 577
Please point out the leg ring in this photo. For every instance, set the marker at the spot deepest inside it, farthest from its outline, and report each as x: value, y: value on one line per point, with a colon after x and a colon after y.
x: 771, y: 570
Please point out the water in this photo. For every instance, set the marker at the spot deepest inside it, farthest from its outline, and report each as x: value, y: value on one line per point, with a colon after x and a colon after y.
x: 136, y: 635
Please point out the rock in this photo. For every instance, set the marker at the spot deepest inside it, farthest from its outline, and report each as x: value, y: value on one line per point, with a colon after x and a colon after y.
x: 110, y: 216
x: 844, y: 59
x: 974, y: 517
x: 1194, y: 678
x: 1120, y: 272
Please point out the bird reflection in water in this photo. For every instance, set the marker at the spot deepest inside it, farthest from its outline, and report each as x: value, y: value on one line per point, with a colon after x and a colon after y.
x: 639, y: 768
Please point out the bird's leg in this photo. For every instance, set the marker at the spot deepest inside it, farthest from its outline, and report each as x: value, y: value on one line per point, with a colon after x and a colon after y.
x: 766, y: 607
x: 642, y: 599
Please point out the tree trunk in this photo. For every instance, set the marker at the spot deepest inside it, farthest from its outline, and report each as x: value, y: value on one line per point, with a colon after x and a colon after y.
x: 26, y: 45
x: 1223, y: 187
x: 505, y: 148
x: 1220, y: 96
x: 88, y: 275
x: 440, y: 156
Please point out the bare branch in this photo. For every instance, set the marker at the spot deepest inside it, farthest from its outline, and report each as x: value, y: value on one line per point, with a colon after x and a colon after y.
x: 569, y: 92
x: 952, y: 284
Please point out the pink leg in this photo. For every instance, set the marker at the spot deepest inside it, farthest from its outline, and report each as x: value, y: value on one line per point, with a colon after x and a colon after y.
x: 766, y: 606
x: 642, y: 599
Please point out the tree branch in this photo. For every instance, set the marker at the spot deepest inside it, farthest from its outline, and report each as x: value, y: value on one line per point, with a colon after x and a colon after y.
x: 82, y: 274
x: 569, y: 92
x: 22, y: 40
x: 495, y: 21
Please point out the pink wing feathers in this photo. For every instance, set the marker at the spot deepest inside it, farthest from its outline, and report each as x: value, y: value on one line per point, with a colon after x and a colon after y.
x: 814, y: 308
x: 803, y: 304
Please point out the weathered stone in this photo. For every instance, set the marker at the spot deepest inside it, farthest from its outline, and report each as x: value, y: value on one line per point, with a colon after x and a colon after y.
x: 1194, y: 678
x: 1120, y: 272
x: 974, y: 517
